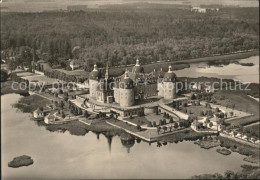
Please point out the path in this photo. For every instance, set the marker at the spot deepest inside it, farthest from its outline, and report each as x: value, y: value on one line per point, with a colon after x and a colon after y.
x: 41, y: 96
x: 149, y: 135
x: 256, y: 123
x: 239, y: 140
x: 257, y: 99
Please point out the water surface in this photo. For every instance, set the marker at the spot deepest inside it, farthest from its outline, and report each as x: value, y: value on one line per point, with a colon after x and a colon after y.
x: 64, y: 156
x: 231, y: 71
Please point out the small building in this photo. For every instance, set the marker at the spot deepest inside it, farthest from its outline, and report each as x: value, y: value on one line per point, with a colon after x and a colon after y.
x: 209, y: 89
x: 199, y: 9
x: 39, y: 114
x: 49, y: 119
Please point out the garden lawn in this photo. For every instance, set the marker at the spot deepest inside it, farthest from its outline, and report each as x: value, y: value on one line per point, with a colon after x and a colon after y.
x: 242, y: 102
x: 31, y: 103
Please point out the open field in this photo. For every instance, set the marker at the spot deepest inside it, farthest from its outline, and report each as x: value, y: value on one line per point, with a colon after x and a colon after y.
x: 31, y: 103
x: 242, y: 103
x: 40, y: 79
x: 25, y: 73
x: 227, y: 57
x: 239, y: 147
x: 75, y: 72
x: 195, y: 110
x: 188, y: 134
x: 255, y: 129
x: 6, y: 88
x: 254, y: 90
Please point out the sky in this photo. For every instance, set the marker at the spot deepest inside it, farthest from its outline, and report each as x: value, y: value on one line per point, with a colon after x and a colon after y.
x: 40, y: 5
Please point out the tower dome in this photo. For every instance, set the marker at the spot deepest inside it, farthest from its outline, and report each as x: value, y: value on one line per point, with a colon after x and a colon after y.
x: 95, y: 74
x: 170, y: 76
x: 127, y: 82
x: 138, y: 68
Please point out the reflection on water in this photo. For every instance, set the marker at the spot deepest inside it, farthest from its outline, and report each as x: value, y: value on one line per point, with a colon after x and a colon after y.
x: 62, y: 155
x: 224, y: 69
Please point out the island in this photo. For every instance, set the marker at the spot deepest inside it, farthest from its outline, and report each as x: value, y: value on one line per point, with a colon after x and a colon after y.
x: 20, y: 161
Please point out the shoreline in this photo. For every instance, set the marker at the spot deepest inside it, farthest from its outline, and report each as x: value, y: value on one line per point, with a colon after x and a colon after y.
x: 225, y: 57
x: 181, y: 63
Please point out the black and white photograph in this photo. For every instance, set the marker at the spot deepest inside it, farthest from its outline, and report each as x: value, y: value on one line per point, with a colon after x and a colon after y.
x: 129, y: 89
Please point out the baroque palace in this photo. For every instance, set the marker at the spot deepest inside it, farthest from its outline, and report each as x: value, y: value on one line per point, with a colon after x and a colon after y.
x: 135, y: 92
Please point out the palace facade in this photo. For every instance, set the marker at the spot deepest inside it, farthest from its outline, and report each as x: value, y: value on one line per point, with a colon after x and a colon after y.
x: 132, y: 86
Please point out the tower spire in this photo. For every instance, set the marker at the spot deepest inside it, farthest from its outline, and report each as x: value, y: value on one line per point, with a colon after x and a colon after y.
x: 137, y: 62
x: 126, y: 74
x: 95, y: 67
x: 170, y: 69
x: 106, y: 75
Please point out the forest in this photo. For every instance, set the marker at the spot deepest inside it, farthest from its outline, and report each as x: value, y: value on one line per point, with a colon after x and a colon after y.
x: 120, y: 36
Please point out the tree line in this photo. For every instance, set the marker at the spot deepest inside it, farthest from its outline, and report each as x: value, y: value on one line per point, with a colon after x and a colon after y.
x: 119, y: 37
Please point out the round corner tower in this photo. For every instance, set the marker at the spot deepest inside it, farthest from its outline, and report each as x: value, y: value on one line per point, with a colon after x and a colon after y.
x: 169, y: 84
x: 126, y: 91
x: 94, y: 78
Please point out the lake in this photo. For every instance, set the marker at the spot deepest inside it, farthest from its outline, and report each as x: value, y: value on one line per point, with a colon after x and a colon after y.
x: 230, y: 70
x: 64, y: 156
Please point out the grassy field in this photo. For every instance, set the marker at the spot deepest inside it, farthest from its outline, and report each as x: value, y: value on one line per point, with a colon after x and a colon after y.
x: 80, y: 129
x: 242, y: 102
x: 254, y: 128
x: 228, y: 57
x: 31, y: 103
x: 189, y: 134
x: 75, y: 73
x: 254, y: 90
x: 235, y: 146
x: 6, y: 88
x: 195, y: 110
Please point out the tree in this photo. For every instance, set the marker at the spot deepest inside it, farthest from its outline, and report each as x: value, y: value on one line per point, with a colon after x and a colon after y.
x: 62, y: 104
x: 202, y: 113
x: 164, y: 121
x: 139, y: 127
x: 207, y: 121
x: 171, y: 120
x: 229, y: 174
x: 149, y: 124
x: 208, y: 106
x: 164, y: 114
x: 158, y: 129
x: 181, y: 123
x: 193, y: 97
x: 65, y: 98
x: 161, y: 122
x: 231, y: 113
x: 170, y: 127
x: 86, y: 114
x: 210, y: 124
x: 164, y: 128
x: 63, y: 114
x: 79, y: 111
x: 154, y: 124
x: 226, y: 114
x: 176, y: 125
x: 4, y: 75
